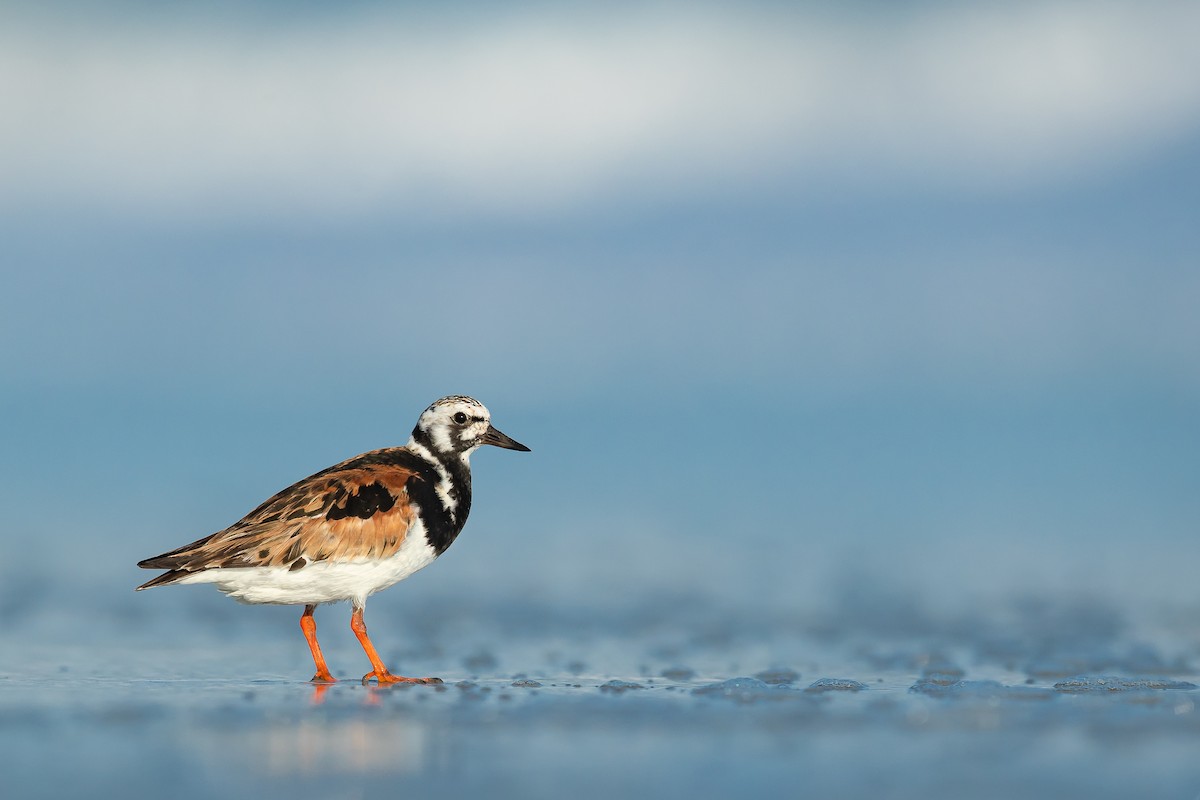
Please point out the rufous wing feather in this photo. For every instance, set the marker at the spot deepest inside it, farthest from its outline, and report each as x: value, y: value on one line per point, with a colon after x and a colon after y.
x: 359, y: 509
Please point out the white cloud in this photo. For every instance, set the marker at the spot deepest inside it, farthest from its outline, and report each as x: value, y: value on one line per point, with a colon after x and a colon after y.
x: 529, y: 111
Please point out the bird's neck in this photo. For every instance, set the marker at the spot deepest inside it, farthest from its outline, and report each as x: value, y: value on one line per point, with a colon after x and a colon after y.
x: 446, y: 503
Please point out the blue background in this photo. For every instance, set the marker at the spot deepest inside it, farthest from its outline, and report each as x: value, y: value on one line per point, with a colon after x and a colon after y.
x: 798, y: 305
x: 905, y: 287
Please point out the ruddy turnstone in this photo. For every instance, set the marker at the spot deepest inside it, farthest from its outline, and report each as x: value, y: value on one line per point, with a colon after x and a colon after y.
x: 349, y: 530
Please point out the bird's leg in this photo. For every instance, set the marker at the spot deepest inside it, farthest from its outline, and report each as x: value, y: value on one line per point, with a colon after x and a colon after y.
x: 380, y: 672
x: 309, y: 625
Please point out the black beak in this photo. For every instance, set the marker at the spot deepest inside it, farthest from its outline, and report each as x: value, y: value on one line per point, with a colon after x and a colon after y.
x: 497, y: 438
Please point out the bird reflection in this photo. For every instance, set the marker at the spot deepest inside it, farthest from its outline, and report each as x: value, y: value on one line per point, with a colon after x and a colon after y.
x: 319, y: 690
x: 311, y: 747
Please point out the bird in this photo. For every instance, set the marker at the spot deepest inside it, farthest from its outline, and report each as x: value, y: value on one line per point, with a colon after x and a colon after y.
x: 350, y: 530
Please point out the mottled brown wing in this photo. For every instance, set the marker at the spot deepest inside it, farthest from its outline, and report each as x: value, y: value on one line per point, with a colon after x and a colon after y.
x: 357, y: 509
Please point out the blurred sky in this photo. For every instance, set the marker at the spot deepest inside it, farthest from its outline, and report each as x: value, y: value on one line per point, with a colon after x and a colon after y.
x: 772, y: 290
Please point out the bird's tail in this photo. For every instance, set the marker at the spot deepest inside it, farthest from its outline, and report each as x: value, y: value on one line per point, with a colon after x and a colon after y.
x: 164, y: 579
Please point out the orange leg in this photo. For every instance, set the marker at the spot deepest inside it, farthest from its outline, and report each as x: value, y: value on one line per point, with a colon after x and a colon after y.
x: 380, y: 672
x: 309, y: 626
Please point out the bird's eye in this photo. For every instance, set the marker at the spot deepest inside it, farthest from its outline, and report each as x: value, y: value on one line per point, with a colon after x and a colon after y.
x: 460, y: 418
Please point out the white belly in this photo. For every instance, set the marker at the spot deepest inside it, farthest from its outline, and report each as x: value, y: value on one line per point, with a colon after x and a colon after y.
x: 320, y: 581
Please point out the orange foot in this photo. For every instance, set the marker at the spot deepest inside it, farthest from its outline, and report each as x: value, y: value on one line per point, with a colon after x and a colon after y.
x: 387, y: 677
x: 323, y: 676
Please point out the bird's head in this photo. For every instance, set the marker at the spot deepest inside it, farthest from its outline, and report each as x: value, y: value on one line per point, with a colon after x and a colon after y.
x: 459, y: 425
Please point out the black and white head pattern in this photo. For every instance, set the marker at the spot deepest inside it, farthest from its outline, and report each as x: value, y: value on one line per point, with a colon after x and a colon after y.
x: 453, y: 426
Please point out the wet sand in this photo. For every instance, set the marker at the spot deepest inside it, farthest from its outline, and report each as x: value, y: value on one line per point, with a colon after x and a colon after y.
x: 197, y: 697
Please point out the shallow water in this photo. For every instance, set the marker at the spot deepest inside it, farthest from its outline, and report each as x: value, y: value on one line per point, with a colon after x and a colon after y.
x: 670, y: 696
